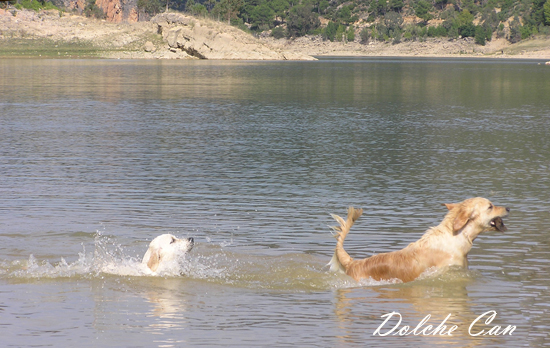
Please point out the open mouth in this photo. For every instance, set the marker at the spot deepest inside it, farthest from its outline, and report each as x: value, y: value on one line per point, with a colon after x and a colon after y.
x: 498, y: 224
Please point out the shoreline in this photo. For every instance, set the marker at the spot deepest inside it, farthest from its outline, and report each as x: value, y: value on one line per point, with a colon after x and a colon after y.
x: 53, y: 34
x: 537, y: 48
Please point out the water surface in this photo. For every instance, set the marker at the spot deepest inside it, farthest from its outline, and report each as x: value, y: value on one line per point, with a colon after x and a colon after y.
x: 97, y: 157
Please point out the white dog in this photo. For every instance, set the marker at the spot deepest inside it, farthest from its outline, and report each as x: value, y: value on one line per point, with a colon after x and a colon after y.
x: 166, y: 250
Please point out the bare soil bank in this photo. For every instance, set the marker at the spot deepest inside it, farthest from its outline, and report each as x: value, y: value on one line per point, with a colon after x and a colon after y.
x: 538, y: 48
x: 56, y: 34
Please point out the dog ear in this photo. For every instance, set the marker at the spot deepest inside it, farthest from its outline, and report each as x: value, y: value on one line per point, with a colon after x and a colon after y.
x: 154, y: 260
x: 461, y: 220
x: 450, y: 206
x: 465, y: 214
x: 462, y: 217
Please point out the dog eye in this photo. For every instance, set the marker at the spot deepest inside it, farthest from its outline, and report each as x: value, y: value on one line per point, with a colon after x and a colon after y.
x: 490, y: 206
x: 173, y: 240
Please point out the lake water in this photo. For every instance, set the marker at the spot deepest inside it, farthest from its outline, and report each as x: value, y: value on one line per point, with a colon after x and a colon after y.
x: 97, y: 157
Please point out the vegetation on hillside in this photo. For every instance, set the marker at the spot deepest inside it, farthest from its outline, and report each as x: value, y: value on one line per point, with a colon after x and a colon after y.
x: 35, y: 5
x: 365, y: 20
x: 382, y: 20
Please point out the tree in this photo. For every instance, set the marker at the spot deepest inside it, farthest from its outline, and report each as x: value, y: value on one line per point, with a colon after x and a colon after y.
x: 480, y: 35
x: 344, y: 14
x: 422, y: 10
x: 466, y: 26
x: 301, y: 21
x: 323, y: 5
x: 278, y: 33
x: 378, y: 7
x: 515, y: 30
x: 465, y: 17
x: 330, y: 30
x: 350, y: 34
x: 393, y: 21
x: 546, y: 8
x: 440, y: 4
x: 210, y: 4
x: 365, y: 35
x: 470, y: 6
x: 262, y: 17
x: 490, y: 18
x: 397, y: 5
x: 467, y: 30
x: 199, y: 10
x: 280, y: 7
x: 340, y: 33
x: 228, y: 8
x: 150, y: 7
x: 248, y: 7
x: 537, y: 12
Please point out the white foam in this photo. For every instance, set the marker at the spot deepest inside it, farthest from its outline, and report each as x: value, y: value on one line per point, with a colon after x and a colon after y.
x: 107, y: 258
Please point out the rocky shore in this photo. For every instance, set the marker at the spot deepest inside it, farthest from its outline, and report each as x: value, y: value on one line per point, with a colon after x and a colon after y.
x: 25, y: 33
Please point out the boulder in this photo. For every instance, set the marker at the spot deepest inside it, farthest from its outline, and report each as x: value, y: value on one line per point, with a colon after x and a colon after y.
x: 206, y: 39
x: 149, y: 47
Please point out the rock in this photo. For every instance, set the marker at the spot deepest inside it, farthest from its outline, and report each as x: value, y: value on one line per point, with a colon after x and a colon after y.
x: 207, y: 39
x: 119, y: 10
x: 149, y: 47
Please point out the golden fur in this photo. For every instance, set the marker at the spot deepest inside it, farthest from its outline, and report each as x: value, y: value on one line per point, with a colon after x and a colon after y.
x: 442, y: 246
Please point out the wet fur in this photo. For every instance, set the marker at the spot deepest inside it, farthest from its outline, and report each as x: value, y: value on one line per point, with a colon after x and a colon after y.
x: 442, y: 246
x: 166, y: 248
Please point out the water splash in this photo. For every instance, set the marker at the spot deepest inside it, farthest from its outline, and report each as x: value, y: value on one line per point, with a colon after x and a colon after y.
x: 220, y: 263
x: 108, y: 257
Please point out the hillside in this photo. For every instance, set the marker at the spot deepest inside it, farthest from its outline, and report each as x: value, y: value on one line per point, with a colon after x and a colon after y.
x: 339, y: 20
x: 53, y: 33
x: 50, y: 33
x: 349, y: 20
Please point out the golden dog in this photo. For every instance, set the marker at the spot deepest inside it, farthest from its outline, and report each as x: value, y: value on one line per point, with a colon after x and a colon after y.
x: 440, y: 247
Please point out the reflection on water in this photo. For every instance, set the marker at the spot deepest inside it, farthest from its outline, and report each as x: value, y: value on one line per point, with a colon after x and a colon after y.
x: 400, y: 83
x: 250, y: 158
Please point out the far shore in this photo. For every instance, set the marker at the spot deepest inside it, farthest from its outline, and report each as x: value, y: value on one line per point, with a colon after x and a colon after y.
x: 536, y: 48
x: 52, y: 34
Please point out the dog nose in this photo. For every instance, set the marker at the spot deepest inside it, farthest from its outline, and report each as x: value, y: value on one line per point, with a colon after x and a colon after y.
x: 191, y: 240
x: 507, y: 209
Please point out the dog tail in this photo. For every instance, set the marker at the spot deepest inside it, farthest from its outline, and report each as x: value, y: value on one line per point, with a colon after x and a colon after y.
x: 341, y: 259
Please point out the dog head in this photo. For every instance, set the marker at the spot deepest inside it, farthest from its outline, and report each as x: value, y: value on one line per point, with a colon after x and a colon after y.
x: 479, y: 214
x: 166, y: 248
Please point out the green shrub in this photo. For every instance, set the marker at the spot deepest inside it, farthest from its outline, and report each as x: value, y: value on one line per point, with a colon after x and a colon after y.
x: 340, y: 32
x: 302, y: 20
x: 480, y: 36
x: 350, y: 33
x: 92, y: 10
x: 151, y: 7
x: 526, y: 31
x: 467, y: 30
x: 35, y: 5
x: 397, y: 38
x: 437, y: 31
x: 278, y: 32
x: 262, y: 17
x: 422, y: 9
x: 330, y: 31
x: 365, y: 35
